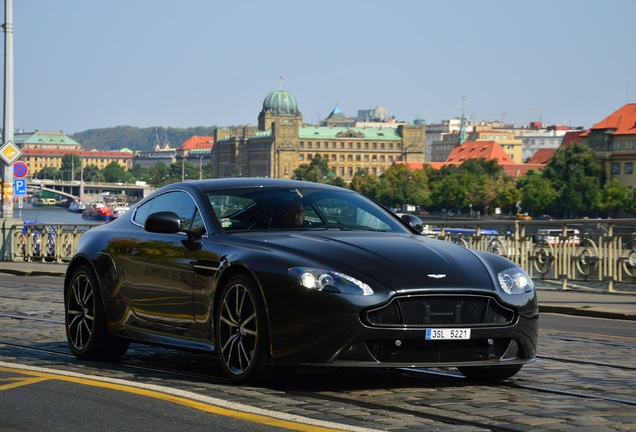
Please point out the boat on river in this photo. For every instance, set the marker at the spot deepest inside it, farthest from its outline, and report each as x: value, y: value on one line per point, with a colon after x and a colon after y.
x: 97, y: 211
x: 118, y: 208
x: 78, y: 205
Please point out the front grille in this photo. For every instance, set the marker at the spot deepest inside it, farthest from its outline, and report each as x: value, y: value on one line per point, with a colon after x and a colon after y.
x: 440, y: 310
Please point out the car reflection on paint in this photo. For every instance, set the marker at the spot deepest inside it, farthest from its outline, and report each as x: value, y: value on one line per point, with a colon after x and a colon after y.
x: 210, y: 265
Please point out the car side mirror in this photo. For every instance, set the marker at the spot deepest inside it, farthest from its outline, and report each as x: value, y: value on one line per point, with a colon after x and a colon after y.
x: 164, y: 222
x: 414, y: 221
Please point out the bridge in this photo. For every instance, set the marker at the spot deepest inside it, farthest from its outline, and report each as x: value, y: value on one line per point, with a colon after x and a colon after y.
x: 75, y: 189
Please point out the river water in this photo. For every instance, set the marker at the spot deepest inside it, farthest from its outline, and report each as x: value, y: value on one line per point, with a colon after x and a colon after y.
x: 49, y: 215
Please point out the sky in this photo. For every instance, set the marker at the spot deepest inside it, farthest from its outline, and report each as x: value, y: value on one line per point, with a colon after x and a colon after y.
x: 82, y: 65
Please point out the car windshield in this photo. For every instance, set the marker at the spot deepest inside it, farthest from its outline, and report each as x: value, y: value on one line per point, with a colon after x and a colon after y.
x: 299, y: 209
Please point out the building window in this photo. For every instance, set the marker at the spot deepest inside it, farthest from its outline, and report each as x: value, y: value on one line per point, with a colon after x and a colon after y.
x: 341, y: 158
x: 301, y: 157
x: 310, y: 156
x: 350, y: 158
x: 616, y: 168
x: 629, y: 167
x: 302, y: 144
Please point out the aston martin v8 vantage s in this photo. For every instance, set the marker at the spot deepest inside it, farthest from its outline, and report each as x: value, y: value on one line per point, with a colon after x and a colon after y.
x: 270, y: 274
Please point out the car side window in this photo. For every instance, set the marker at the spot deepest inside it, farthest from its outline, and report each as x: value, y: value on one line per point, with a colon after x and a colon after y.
x: 178, y: 202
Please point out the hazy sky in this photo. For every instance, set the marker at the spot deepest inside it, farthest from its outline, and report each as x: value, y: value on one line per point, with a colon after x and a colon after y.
x: 84, y: 64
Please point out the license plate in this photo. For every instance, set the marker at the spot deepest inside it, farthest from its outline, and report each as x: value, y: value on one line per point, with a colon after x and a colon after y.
x: 445, y: 334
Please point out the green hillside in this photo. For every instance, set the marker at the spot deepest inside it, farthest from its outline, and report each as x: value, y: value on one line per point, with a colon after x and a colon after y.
x: 134, y: 138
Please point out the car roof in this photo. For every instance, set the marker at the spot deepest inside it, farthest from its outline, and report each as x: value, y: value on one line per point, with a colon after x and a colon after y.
x: 242, y: 182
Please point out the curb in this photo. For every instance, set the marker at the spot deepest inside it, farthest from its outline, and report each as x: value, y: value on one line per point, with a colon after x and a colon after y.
x: 563, y: 310
x: 32, y: 273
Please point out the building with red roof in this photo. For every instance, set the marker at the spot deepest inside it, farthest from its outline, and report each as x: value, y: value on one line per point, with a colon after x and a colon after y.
x: 614, y: 141
x: 487, y: 150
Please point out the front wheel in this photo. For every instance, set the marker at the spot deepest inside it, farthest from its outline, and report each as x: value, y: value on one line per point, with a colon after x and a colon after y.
x: 489, y: 373
x: 241, y: 332
x: 85, y: 322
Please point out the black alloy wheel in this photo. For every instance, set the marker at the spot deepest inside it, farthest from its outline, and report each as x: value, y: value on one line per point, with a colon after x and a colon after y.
x: 85, y: 323
x: 241, y: 331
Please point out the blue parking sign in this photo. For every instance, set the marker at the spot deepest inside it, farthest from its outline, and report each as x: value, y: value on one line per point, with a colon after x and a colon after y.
x: 19, y: 187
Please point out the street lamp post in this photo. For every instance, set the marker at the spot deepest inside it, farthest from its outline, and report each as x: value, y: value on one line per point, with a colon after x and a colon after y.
x: 6, y: 170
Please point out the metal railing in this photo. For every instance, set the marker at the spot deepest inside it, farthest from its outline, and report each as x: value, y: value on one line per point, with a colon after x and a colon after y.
x: 46, y: 242
x: 600, y: 251
x: 563, y: 251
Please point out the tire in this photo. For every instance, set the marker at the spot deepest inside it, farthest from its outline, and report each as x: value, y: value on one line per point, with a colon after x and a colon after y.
x: 241, y: 332
x: 85, y: 321
x: 489, y: 373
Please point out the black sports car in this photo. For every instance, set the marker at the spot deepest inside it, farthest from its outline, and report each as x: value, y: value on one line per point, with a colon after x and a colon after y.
x: 268, y: 273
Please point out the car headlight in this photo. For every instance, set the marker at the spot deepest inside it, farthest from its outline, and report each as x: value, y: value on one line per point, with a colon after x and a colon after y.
x: 515, y: 281
x: 326, y: 280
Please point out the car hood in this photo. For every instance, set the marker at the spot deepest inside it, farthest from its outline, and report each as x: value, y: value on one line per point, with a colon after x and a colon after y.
x: 399, y: 261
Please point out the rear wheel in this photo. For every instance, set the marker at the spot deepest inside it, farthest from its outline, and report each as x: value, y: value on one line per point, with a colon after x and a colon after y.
x: 85, y: 323
x: 489, y: 373
x: 241, y: 332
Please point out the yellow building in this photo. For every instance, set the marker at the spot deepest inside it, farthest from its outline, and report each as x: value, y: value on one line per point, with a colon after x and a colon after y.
x: 46, y: 149
x: 282, y: 143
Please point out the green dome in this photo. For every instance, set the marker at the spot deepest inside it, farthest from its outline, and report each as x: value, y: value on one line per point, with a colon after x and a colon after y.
x: 281, y: 103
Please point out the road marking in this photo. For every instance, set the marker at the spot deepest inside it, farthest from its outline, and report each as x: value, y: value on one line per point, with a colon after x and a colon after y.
x: 19, y: 382
x: 196, y: 401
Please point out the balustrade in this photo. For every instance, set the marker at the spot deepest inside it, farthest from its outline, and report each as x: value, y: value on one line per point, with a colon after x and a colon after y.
x: 564, y: 251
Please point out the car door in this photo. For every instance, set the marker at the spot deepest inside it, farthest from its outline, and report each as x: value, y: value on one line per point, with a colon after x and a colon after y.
x: 159, y: 267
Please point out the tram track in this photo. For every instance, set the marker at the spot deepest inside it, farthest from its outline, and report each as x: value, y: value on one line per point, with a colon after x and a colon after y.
x: 430, y: 372
x: 146, y: 361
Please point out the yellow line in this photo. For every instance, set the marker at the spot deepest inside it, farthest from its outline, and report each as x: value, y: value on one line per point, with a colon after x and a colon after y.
x: 250, y: 417
x: 19, y: 382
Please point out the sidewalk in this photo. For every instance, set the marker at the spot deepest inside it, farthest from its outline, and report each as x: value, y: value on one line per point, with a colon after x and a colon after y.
x: 582, y: 302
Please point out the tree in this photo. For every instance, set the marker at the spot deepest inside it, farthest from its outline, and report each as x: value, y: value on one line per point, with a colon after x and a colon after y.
x: 48, y: 172
x: 614, y: 197
x: 537, y: 193
x: 115, y: 173
x: 92, y: 174
x: 630, y: 204
x: 182, y: 171
x: 157, y: 175
x: 72, y: 164
x: 476, y: 183
x: 447, y: 189
x: 317, y: 171
x: 365, y: 184
x: 400, y: 185
x: 576, y: 174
